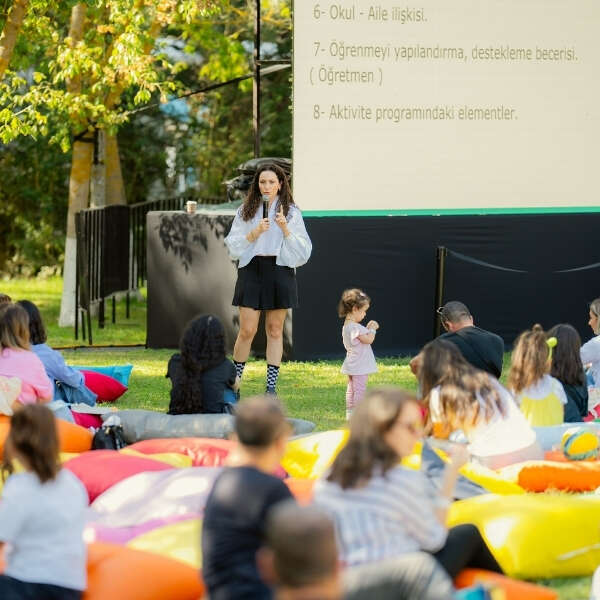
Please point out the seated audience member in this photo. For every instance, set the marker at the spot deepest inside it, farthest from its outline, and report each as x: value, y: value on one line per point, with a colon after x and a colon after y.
x: 481, y: 348
x: 203, y: 380
x: 17, y: 359
x: 590, y: 351
x: 42, y: 514
x: 568, y: 369
x: 239, y: 503
x: 300, y: 559
x: 540, y: 396
x: 461, y: 397
x: 69, y: 383
x: 383, y: 510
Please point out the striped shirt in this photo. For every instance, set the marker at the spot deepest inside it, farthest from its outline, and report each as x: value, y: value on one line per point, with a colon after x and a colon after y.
x: 390, y: 516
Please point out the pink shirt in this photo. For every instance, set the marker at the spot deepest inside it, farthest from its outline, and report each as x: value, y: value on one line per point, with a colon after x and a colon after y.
x: 29, y: 369
x: 359, y: 358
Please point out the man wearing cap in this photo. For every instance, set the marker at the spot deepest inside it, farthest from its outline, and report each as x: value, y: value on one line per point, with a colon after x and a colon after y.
x: 483, y: 349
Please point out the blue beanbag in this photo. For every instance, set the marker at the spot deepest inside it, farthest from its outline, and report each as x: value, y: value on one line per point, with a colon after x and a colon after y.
x: 119, y: 372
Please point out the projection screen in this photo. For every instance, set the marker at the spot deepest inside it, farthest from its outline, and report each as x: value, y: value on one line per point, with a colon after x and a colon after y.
x: 441, y: 107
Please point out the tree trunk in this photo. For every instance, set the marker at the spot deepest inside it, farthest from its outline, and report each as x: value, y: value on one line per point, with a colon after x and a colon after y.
x: 79, y: 191
x: 8, y: 39
x: 79, y: 187
x: 98, y: 182
x: 115, y: 189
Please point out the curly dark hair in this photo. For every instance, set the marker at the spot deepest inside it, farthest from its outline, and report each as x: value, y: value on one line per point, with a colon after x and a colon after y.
x: 37, y: 331
x: 202, y: 347
x: 254, y: 198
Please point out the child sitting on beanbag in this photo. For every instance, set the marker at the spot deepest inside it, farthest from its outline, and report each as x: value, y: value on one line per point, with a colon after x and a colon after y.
x: 69, y: 383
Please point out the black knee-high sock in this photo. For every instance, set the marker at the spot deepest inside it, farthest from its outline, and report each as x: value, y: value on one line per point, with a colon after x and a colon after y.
x: 239, y: 368
x: 272, y: 375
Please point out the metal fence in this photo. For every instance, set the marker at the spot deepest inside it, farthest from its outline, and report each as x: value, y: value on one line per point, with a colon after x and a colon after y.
x: 111, y: 255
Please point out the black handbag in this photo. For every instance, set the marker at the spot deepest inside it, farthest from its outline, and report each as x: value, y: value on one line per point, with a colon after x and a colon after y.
x: 109, y: 437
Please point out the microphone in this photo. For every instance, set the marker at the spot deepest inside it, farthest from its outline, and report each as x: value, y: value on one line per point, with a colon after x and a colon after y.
x: 265, y: 201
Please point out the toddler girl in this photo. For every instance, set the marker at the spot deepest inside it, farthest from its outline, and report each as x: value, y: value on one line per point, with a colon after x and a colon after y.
x: 540, y: 396
x: 42, y: 514
x: 357, y: 339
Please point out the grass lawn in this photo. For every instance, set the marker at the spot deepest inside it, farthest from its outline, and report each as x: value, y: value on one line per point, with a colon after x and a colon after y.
x: 310, y: 390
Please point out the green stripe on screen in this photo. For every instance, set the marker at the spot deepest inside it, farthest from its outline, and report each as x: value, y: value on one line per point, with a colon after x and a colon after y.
x: 451, y: 211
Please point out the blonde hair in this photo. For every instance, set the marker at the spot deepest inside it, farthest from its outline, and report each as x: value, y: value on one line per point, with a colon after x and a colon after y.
x: 530, y: 359
x: 595, y: 308
x: 14, y: 327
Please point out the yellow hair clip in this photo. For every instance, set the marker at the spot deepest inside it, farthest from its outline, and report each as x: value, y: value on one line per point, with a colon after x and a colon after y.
x: 551, y: 343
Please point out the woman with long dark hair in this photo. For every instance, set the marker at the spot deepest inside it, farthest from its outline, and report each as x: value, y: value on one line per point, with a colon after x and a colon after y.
x: 202, y: 378
x: 269, y: 240
x: 383, y: 510
x: 461, y: 397
x: 568, y: 369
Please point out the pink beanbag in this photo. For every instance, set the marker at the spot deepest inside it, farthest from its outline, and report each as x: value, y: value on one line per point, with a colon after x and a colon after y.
x: 100, y: 469
x: 204, y: 452
x: 107, y: 388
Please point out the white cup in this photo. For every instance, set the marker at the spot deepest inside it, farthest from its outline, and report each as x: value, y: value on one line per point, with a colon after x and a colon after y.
x: 190, y: 207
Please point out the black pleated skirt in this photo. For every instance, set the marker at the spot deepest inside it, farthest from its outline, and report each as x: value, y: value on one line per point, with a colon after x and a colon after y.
x: 264, y: 285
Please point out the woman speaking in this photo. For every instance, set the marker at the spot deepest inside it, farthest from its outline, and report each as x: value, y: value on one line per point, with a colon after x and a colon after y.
x: 269, y: 239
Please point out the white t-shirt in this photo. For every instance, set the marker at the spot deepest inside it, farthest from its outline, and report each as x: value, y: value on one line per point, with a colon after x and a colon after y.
x: 42, y: 525
x: 590, y: 354
x: 360, y: 359
x: 501, y: 434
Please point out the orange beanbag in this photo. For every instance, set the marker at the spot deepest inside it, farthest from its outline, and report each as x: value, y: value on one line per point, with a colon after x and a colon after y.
x: 100, y: 469
x: 204, y: 452
x: 302, y: 489
x: 573, y: 476
x: 71, y: 437
x: 513, y: 589
x: 124, y: 573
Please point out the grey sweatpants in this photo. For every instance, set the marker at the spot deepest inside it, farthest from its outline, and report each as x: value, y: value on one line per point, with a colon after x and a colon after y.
x: 415, y: 576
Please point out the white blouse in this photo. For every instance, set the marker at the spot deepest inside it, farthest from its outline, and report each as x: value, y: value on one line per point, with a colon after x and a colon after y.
x: 590, y: 354
x: 291, y: 251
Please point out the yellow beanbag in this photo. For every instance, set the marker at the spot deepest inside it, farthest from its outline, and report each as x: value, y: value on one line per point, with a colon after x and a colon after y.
x: 308, y: 457
x: 179, y: 541
x: 536, y: 536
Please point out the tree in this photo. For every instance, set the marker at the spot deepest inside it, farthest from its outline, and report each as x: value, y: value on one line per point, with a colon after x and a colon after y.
x: 85, y: 82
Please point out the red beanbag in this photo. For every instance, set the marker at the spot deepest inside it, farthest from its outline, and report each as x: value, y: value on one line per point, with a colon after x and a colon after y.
x: 107, y: 388
x: 86, y: 420
x: 204, y: 452
x: 100, y: 469
x: 124, y: 573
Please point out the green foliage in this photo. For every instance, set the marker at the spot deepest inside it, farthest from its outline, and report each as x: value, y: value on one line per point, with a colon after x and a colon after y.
x: 32, y: 222
x: 79, y: 84
x: 118, y: 74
